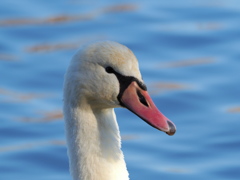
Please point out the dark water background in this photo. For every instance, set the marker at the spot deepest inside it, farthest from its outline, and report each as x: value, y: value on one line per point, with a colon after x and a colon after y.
x: 189, y: 54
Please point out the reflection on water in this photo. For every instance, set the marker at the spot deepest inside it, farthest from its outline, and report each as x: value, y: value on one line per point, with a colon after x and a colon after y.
x: 192, y: 26
x: 68, y: 18
x: 13, y: 96
x: 188, y: 62
x: 210, y: 26
x: 189, y: 57
x: 61, y: 46
x: 159, y: 87
x: 8, y: 57
x: 44, y: 117
x: 234, y: 110
x: 28, y: 146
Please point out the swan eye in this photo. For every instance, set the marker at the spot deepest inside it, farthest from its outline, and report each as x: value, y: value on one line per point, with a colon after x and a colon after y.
x: 109, y: 69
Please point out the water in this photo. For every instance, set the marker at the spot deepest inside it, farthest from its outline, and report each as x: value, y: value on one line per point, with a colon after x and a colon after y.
x: 189, y: 57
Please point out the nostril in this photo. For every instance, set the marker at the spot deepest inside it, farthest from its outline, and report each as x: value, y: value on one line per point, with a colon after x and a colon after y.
x: 142, y: 99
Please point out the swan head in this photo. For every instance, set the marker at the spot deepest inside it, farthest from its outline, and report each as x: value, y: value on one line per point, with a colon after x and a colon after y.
x: 106, y: 75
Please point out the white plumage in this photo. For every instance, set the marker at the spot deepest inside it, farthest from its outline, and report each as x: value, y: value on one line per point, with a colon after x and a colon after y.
x: 90, y: 94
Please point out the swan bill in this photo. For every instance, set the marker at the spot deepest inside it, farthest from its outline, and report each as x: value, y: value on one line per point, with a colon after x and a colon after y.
x: 140, y: 103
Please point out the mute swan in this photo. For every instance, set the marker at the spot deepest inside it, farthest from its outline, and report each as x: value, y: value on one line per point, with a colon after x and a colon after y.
x: 103, y: 76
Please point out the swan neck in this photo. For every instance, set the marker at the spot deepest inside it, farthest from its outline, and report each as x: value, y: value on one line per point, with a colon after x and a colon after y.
x: 94, y: 144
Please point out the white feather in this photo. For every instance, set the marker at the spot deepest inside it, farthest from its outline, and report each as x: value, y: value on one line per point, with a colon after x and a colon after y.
x: 90, y: 94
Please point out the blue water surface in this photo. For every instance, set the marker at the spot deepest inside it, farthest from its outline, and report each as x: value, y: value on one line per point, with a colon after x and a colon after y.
x: 190, y: 60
